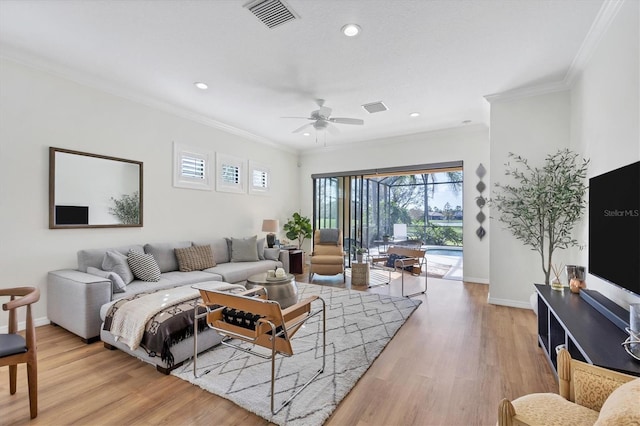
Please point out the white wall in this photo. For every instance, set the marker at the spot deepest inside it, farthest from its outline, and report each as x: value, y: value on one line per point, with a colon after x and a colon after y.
x: 469, y: 144
x: 598, y: 118
x: 605, y: 121
x: 532, y: 127
x: 39, y: 110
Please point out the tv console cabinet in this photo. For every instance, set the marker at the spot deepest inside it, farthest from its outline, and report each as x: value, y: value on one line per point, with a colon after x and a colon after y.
x: 565, y: 318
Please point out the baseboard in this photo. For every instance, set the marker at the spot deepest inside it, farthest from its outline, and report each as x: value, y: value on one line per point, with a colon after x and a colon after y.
x: 23, y: 324
x: 510, y: 303
x: 475, y: 280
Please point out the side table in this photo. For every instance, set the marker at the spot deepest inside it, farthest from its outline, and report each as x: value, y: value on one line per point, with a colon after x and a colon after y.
x: 296, y: 261
x: 359, y: 274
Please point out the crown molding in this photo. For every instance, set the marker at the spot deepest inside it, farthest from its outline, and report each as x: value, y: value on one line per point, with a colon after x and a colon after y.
x: 524, y: 92
x: 600, y: 26
x: 394, y: 140
x: 114, y: 89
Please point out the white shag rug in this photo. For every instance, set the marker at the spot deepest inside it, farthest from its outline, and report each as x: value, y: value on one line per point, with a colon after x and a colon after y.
x: 359, y: 326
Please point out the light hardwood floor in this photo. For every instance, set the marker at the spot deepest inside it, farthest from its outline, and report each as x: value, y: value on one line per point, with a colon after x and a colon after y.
x: 450, y: 364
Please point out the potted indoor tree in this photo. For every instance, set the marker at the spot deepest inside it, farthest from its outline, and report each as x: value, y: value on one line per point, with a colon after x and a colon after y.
x: 298, y: 228
x: 542, y: 205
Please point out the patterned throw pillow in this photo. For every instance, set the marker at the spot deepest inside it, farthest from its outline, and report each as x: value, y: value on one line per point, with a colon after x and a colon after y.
x: 144, y: 266
x: 195, y: 258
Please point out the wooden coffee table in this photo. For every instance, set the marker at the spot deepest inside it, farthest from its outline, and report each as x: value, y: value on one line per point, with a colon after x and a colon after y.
x: 284, y: 291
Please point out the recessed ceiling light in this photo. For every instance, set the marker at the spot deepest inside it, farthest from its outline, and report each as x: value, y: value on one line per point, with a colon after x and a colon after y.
x: 306, y: 134
x: 351, y: 30
x: 414, y: 114
x: 200, y: 85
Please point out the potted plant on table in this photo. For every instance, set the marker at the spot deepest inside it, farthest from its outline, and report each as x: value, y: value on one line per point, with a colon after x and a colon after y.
x: 543, y: 204
x: 298, y: 228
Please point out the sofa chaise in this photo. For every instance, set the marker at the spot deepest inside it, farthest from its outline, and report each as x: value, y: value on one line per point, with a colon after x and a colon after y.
x: 75, y: 297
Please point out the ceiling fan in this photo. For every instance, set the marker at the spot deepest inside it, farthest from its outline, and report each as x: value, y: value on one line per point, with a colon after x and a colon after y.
x: 322, y: 119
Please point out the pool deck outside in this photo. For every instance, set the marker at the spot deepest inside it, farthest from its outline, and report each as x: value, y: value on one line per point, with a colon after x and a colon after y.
x: 441, y: 266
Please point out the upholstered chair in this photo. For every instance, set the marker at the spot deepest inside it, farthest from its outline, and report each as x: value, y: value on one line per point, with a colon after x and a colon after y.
x: 327, y: 257
x: 588, y: 395
x: 16, y: 349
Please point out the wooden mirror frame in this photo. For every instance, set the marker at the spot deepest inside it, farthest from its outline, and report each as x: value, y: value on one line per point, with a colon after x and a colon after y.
x: 52, y: 190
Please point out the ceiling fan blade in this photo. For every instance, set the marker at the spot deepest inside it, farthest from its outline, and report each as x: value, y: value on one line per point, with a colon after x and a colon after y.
x: 301, y: 128
x: 344, y: 120
x: 304, y: 118
x: 324, y: 112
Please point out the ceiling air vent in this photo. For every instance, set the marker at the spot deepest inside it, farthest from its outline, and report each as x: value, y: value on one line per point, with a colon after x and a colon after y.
x: 375, y: 107
x: 272, y: 12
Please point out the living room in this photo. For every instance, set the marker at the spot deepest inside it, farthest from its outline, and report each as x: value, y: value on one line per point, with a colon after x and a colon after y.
x: 594, y: 110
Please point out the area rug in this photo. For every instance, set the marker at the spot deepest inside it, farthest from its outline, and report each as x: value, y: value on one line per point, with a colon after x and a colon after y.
x: 359, y: 326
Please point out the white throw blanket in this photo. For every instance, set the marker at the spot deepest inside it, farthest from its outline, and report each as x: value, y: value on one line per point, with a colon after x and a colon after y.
x: 130, y: 319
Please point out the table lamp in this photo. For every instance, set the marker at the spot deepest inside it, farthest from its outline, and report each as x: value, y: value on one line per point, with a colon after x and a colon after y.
x: 270, y: 226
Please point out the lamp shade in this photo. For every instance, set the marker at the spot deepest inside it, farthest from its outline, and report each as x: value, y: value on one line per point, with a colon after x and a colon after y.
x: 270, y: 225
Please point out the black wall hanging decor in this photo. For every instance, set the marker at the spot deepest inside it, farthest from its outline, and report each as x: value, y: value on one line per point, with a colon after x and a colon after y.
x: 480, y: 200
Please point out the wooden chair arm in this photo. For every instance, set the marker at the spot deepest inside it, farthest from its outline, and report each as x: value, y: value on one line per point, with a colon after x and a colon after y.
x: 29, y: 295
x: 298, y: 307
x: 506, y: 412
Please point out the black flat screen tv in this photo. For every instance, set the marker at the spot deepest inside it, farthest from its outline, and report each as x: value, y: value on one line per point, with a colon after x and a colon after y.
x: 614, y: 227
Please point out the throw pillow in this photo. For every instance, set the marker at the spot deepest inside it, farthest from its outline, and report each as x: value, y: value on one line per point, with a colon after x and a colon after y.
x: 195, y: 258
x: 329, y: 236
x: 244, y: 250
x: 272, y: 253
x: 117, y: 284
x: 261, y: 246
x: 115, y: 261
x: 144, y: 266
x: 622, y: 408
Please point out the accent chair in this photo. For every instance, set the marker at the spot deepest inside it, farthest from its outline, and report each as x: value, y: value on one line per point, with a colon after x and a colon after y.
x: 327, y: 257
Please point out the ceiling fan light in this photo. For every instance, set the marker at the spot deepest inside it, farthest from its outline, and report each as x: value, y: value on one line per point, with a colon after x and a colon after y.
x: 306, y: 134
x: 351, y: 30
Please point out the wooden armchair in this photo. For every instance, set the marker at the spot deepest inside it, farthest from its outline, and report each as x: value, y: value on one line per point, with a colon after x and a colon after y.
x: 587, y: 394
x: 271, y: 327
x: 404, y: 259
x: 327, y: 257
x: 15, y: 349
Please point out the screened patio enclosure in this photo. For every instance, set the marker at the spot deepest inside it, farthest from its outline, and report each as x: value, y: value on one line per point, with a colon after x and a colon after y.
x: 398, y: 204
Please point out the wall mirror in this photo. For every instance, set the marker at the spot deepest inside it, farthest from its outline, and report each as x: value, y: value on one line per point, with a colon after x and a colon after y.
x: 93, y: 191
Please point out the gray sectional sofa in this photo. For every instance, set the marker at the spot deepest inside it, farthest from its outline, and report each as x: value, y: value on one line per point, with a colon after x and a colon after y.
x: 74, y: 297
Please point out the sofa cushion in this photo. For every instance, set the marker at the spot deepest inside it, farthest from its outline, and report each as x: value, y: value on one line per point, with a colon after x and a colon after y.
x: 94, y: 257
x: 235, y: 272
x: 114, y: 261
x: 195, y: 258
x: 219, y: 248
x: 622, y: 407
x: 117, y: 283
x: 165, y: 255
x: 144, y: 266
x: 244, y: 250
